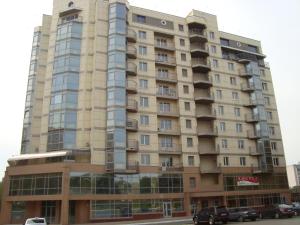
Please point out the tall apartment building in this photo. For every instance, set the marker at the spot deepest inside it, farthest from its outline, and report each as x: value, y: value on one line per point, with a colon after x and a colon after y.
x: 132, y: 113
x: 293, y: 173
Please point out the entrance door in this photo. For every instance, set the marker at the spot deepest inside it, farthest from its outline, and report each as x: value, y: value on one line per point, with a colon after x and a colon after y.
x: 167, y: 209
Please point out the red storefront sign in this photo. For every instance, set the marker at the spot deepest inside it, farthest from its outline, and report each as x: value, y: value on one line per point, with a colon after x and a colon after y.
x: 247, y: 181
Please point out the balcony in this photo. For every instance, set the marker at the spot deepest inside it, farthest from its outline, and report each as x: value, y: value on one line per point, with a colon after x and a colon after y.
x: 170, y: 150
x: 215, y: 170
x: 207, y: 133
x: 253, y: 134
x: 131, y: 35
x: 131, y: 69
x: 247, y: 73
x: 131, y: 52
x: 168, y: 46
x: 167, y: 113
x: 206, y: 115
x: 197, y: 35
x: 166, y: 77
x: 248, y: 87
x: 174, y: 131
x: 199, y: 50
x: 131, y: 168
x: 169, y: 93
x: 131, y: 86
x: 132, y: 105
x: 165, y: 61
x: 202, y: 81
x: 132, y: 125
x: 132, y: 145
x: 200, y: 65
x: 205, y: 99
x: 207, y: 152
x: 251, y: 118
x: 255, y: 152
x: 171, y: 168
x: 254, y: 102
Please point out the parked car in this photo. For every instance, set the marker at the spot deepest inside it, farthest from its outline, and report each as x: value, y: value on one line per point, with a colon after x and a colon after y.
x: 36, y: 221
x: 296, y: 207
x: 276, y: 211
x: 211, y: 215
x: 242, y: 214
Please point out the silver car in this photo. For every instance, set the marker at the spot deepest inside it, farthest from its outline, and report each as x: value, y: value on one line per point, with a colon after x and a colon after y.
x: 36, y: 221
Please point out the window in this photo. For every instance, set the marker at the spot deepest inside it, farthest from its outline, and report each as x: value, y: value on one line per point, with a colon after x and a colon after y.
x: 144, y: 102
x: 264, y: 86
x: 142, y: 34
x: 237, y: 112
x: 185, y: 89
x: 191, y: 160
x: 192, y: 182
x: 272, y: 130
x: 189, y: 142
x: 143, y: 66
x: 224, y: 143
x: 232, y: 80
x: 267, y: 100
x: 188, y: 124
x: 142, y: 50
x: 215, y: 63
x: 238, y: 127
x: 211, y: 35
x: 144, y: 120
x: 145, y: 139
x: 180, y: 27
x: 187, y: 106
x: 184, y: 72
x: 221, y: 110
x: 235, y: 95
x: 241, y: 144
x: 230, y: 66
x: 243, y: 161
x: 222, y: 126
x: 141, y: 19
x: 183, y: 57
x: 145, y: 159
x: 143, y: 83
x: 217, y: 78
x: 164, y: 107
x: 161, y: 42
x: 213, y: 49
x: 165, y: 124
x: 270, y: 115
x: 219, y: 94
x: 273, y: 145
x: 276, y: 161
x: 182, y: 42
x: 226, y: 161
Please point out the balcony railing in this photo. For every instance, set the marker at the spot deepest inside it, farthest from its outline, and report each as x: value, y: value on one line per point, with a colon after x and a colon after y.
x: 202, y: 81
x: 167, y: 93
x: 200, y: 65
x: 132, y: 145
x: 132, y: 105
x: 165, y: 167
x: 131, y: 51
x: 131, y: 35
x: 251, y: 118
x: 131, y: 86
x: 197, y: 35
x: 207, y: 98
x: 213, y: 170
x: 254, y: 102
x: 167, y: 77
x: 253, y: 134
x: 132, y: 124
x: 199, y: 50
x: 208, y: 133
x: 172, y: 112
x: 255, y: 152
x: 168, y: 61
x: 166, y: 46
x: 209, y: 151
x: 248, y: 72
x: 206, y: 115
x: 248, y: 87
x: 131, y: 167
x: 131, y: 69
x: 172, y: 149
x: 175, y: 130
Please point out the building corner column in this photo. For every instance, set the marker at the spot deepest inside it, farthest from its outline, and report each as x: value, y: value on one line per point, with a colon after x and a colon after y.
x: 64, y: 210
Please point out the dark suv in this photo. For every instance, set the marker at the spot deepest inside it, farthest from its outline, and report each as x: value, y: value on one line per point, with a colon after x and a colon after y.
x: 211, y: 215
x: 242, y: 214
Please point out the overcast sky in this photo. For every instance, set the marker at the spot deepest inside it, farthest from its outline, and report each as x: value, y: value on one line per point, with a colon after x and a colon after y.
x: 274, y: 22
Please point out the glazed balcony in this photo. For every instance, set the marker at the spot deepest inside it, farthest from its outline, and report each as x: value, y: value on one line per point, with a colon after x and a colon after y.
x: 198, y: 50
x: 131, y: 69
x: 167, y: 113
x: 131, y: 35
x: 248, y: 87
x: 200, y: 65
x: 132, y: 125
x: 209, y: 133
x: 165, y: 61
x: 166, y: 77
x: 131, y: 86
x: 197, y: 35
x: 251, y: 118
x: 168, y: 46
x: 170, y: 150
x: 253, y: 134
x: 131, y: 52
x: 172, y: 168
x: 202, y: 81
x: 167, y: 93
x: 132, y: 145
x: 206, y: 115
x: 204, y: 98
x: 132, y: 105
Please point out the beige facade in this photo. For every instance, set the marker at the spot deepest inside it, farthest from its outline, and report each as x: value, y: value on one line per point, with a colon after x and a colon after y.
x: 200, y: 105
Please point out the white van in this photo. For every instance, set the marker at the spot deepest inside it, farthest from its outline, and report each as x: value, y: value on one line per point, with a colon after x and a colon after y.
x: 36, y: 221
